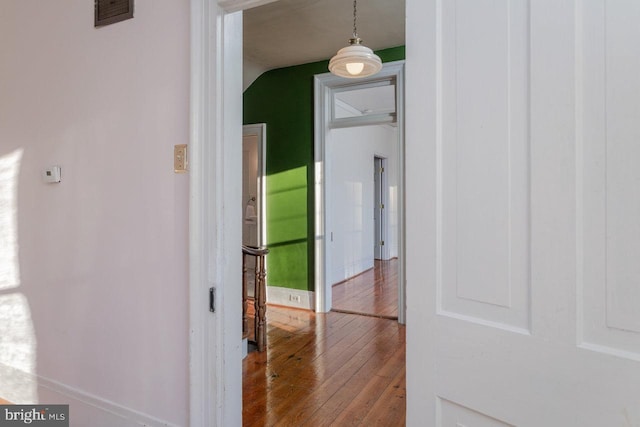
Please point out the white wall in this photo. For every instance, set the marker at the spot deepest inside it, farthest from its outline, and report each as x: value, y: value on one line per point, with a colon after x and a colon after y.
x: 102, y: 256
x: 250, y: 73
x: 349, y: 187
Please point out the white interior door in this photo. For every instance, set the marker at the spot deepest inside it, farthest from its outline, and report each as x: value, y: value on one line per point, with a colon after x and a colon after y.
x: 254, y: 146
x: 523, y: 199
x: 250, y: 206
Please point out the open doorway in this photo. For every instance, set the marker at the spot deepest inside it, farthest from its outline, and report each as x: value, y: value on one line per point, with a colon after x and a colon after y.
x: 363, y: 166
x: 344, y: 112
x: 216, y: 217
x: 379, y: 207
x: 253, y: 195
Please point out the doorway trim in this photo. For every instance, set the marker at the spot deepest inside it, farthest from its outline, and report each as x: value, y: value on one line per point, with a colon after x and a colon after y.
x: 324, y: 87
x: 215, y: 238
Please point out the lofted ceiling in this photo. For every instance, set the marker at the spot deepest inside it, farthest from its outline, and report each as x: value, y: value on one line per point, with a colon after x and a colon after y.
x: 293, y: 32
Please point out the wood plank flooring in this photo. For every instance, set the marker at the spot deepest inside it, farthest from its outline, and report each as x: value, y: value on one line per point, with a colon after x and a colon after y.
x: 374, y: 292
x: 331, y: 369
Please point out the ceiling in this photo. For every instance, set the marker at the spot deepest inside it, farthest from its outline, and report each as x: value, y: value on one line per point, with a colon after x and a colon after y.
x: 293, y: 32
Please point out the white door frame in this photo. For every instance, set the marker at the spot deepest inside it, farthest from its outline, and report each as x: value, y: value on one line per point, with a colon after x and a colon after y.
x: 215, y: 368
x: 325, y: 85
x: 215, y: 230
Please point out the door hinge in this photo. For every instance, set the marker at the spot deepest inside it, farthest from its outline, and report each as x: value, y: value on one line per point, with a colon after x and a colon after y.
x: 212, y: 305
x: 381, y: 170
x: 382, y: 206
x: 381, y: 242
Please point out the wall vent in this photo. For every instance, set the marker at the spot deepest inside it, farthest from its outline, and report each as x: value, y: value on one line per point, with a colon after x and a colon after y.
x: 112, y: 11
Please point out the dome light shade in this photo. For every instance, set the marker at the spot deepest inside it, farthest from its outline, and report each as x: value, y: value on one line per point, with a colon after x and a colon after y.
x: 355, y: 61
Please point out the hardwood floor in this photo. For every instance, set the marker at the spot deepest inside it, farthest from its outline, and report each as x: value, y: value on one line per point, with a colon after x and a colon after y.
x: 374, y: 292
x: 333, y: 369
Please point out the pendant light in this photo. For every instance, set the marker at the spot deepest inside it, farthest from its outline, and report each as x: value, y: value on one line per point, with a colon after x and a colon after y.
x: 355, y: 60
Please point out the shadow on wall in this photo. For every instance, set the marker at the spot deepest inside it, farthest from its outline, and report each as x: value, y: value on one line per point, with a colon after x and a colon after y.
x: 18, y: 383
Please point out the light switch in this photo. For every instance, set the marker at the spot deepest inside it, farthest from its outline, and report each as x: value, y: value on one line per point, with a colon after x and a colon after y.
x: 180, y: 161
x: 51, y: 174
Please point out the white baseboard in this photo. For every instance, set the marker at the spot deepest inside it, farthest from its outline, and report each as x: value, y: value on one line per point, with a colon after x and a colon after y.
x: 85, y: 409
x: 291, y: 297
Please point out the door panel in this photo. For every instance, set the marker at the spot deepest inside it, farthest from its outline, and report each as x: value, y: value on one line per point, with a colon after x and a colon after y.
x: 484, y: 163
x: 523, y: 199
x: 609, y: 190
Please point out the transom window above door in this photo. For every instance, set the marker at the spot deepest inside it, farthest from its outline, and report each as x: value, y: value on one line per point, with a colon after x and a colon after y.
x: 360, y: 104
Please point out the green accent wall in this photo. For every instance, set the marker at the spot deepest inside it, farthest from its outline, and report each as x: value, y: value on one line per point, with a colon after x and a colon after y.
x: 283, y: 99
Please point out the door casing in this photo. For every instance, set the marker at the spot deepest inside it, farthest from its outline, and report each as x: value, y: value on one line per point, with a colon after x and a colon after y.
x: 324, y: 86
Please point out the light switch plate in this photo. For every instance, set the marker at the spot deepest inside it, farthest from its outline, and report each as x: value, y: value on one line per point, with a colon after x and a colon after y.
x: 180, y: 159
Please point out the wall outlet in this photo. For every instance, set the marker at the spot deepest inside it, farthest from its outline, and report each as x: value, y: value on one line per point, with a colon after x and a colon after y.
x: 294, y: 298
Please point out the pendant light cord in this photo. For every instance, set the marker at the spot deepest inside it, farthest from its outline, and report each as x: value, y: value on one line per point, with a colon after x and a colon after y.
x: 355, y: 29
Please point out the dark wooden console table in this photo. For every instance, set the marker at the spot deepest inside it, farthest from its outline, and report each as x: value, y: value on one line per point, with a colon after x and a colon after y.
x: 259, y: 295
